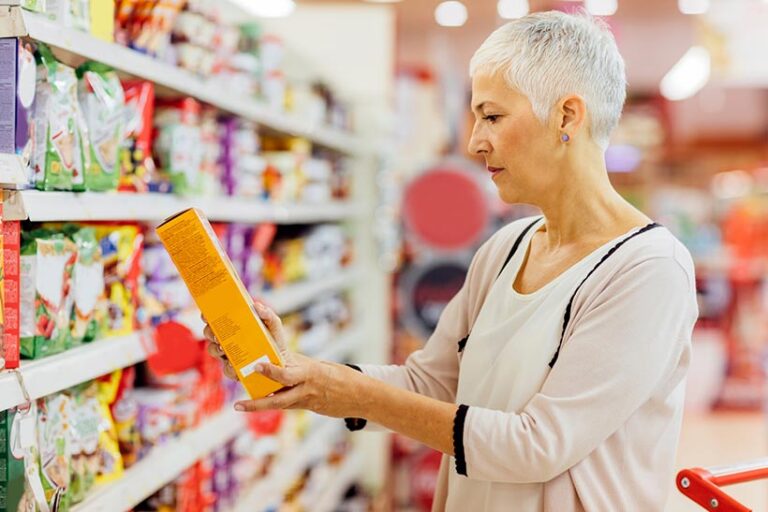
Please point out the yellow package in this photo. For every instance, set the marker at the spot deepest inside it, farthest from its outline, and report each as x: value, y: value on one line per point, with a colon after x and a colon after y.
x: 103, y: 19
x: 222, y: 298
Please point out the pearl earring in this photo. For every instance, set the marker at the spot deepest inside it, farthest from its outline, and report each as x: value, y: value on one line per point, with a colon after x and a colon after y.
x: 564, y: 137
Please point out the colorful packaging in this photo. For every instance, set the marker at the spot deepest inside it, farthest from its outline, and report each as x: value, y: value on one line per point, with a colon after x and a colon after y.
x: 121, y: 248
x: 137, y: 169
x: 88, y: 282
x: 102, y: 102
x: 54, y: 427
x: 111, y: 461
x: 179, y: 144
x: 17, y: 94
x: 85, y: 440
x: 69, y: 13
x: 15, y: 494
x: 222, y: 298
x: 33, y: 5
x: 59, y: 125
x: 47, y: 263
x: 102, y: 19
x: 11, y: 268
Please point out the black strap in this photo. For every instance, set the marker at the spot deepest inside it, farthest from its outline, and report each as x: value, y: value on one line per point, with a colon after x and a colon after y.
x: 463, y: 342
x: 567, y: 317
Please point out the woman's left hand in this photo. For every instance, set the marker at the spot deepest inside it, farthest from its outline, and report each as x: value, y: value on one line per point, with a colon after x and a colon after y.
x: 325, y: 388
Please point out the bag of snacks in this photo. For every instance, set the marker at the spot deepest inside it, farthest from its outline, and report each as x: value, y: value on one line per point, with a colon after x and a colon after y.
x: 59, y: 125
x: 110, y: 459
x: 85, y: 440
x: 88, y: 283
x: 54, y: 424
x: 102, y: 102
x: 47, y: 263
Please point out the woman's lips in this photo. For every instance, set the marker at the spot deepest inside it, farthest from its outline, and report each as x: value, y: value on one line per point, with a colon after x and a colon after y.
x: 494, y: 170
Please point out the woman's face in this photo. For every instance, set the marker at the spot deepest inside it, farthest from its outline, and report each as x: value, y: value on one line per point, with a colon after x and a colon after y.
x: 520, y: 151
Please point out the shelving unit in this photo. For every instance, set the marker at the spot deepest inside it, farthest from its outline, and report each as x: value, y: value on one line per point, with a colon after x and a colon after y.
x: 40, y: 206
x: 350, y: 470
x: 73, y: 47
x: 46, y: 376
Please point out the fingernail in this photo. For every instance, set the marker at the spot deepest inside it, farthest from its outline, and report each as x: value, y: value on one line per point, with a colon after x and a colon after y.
x: 260, y: 367
x: 239, y: 407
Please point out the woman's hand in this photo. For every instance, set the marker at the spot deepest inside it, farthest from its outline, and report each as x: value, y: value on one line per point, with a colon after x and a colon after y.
x: 324, y: 388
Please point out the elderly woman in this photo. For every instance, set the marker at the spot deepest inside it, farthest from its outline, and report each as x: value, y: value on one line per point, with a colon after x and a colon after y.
x: 555, y: 377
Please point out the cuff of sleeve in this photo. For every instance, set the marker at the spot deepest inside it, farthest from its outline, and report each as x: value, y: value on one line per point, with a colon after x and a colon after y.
x: 355, y: 424
x: 458, y: 439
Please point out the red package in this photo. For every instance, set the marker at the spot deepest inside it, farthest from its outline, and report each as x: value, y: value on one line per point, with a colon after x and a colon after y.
x: 11, y: 248
x: 137, y: 168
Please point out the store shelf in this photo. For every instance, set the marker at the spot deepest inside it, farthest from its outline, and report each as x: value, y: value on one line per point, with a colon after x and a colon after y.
x: 289, y: 466
x: 342, y: 347
x: 350, y: 471
x: 164, y: 464
x: 292, y: 297
x: 75, y: 46
x: 40, y: 206
x: 55, y: 373
x: 12, y: 170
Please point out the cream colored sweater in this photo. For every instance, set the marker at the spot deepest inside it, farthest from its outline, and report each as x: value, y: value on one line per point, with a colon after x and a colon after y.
x: 601, y: 429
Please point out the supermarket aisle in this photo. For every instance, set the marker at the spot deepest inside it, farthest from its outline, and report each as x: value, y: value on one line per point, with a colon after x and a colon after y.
x: 722, y: 439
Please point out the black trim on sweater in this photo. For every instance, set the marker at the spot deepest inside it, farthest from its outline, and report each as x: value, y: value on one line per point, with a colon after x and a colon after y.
x: 355, y: 424
x: 458, y: 439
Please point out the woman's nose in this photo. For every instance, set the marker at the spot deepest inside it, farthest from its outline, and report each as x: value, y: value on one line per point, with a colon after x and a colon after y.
x: 477, y: 143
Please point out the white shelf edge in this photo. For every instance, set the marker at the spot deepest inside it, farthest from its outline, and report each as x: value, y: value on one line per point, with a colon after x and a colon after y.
x: 41, y: 206
x: 45, y: 376
x: 346, y: 341
x: 350, y: 470
x: 163, y: 464
x: 38, y: 27
x: 288, y: 466
x: 293, y: 297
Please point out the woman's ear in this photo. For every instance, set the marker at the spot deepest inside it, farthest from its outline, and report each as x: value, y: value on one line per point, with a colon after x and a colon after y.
x: 572, y: 114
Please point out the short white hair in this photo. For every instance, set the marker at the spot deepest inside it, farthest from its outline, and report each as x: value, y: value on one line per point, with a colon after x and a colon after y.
x: 548, y: 55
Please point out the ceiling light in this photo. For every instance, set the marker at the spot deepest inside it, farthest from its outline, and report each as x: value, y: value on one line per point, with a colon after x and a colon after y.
x: 601, y: 7
x: 693, y: 6
x: 688, y: 75
x: 451, y: 14
x: 266, y: 8
x: 511, y: 9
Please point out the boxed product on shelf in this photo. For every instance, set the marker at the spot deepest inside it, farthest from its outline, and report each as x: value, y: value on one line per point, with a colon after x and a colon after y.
x: 243, y: 167
x: 11, y: 277
x: 47, y: 263
x: 222, y: 298
x: 58, y: 124
x: 102, y: 101
x: 211, y: 167
x: 17, y: 95
x: 314, y: 327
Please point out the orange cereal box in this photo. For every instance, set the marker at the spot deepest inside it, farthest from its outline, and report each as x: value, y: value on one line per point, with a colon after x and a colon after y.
x: 222, y: 298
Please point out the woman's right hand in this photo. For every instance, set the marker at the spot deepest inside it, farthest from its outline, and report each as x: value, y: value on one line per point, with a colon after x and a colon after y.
x: 214, y: 349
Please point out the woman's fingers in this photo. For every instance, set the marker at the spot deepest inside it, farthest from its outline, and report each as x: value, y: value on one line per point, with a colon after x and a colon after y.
x: 281, y: 400
x: 229, y: 371
x: 215, y: 350
x: 208, y: 333
x: 287, y: 376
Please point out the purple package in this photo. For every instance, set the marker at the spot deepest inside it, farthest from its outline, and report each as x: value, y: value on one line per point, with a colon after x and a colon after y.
x: 17, y: 94
x: 237, y: 245
x: 227, y: 157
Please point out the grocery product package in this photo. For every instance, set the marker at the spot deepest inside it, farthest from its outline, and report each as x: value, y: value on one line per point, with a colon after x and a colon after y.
x: 102, y: 19
x: 179, y: 144
x: 222, y: 298
x: 125, y: 412
x: 47, y: 263
x: 137, y: 169
x: 111, y: 460
x: 102, y: 102
x: 88, y: 285
x: 84, y: 436
x: 69, y: 13
x: 58, y: 125
x: 121, y: 248
x: 33, y: 5
x: 54, y: 440
x: 15, y: 455
x: 17, y: 94
x: 11, y: 235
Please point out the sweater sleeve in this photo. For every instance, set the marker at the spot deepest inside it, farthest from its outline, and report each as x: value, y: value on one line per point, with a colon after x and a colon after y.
x: 627, y: 342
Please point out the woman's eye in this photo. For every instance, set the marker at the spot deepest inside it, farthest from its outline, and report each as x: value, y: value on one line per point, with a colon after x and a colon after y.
x: 491, y: 119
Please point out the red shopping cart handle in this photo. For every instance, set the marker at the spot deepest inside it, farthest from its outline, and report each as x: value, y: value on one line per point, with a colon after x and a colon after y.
x: 703, y: 485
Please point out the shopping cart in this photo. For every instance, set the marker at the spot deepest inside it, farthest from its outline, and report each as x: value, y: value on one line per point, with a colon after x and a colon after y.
x: 703, y: 485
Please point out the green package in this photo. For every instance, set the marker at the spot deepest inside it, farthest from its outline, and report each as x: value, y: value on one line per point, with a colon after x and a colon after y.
x: 34, y: 5
x: 59, y: 125
x: 102, y: 102
x: 15, y: 494
x: 54, y: 440
x: 85, y: 440
x: 47, y: 264
x: 88, y: 286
